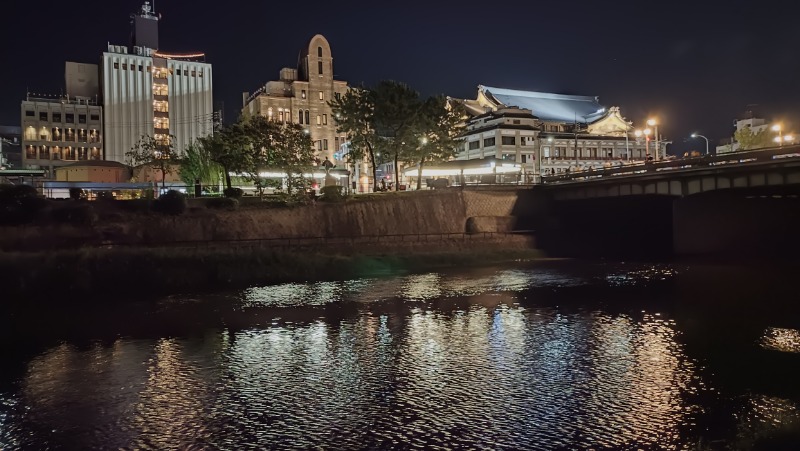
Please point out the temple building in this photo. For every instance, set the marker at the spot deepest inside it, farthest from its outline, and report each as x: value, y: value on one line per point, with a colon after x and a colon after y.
x: 301, y: 96
x: 547, y: 133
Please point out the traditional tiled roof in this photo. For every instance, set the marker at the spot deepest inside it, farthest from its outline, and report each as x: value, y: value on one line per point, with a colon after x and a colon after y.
x: 547, y: 106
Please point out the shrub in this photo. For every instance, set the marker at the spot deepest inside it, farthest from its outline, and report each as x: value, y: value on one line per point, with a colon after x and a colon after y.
x: 223, y: 203
x: 331, y: 193
x: 79, y: 214
x: 20, y: 204
x: 170, y: 203
x: 233, y: 192
x: 17, y: 192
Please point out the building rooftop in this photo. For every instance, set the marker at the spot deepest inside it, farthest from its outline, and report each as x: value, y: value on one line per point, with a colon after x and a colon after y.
x: 548, y: 106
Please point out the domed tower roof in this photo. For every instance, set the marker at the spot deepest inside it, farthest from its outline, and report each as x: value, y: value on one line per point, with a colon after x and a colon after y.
x: 318, y: 47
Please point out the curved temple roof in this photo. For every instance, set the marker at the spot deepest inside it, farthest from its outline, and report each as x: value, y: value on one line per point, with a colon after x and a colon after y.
x: 547, y: 106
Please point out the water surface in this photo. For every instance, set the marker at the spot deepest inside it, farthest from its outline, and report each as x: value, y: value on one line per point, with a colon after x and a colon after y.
x: 526, y: 356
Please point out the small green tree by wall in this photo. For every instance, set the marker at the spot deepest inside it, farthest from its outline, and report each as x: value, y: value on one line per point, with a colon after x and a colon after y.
x: 354, y: 115
x: 158, y: 154
x: 749, y: 140
x: 197, y: 164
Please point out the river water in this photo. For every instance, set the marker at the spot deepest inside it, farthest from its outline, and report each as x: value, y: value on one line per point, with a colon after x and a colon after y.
x: 546, y: 355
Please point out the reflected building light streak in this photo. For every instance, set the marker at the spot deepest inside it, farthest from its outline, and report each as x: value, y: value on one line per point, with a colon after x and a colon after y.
x: 783, y: 340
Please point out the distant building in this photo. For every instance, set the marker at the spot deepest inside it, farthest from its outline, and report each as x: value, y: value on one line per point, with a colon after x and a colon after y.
x: 10, y: 147
x: 548, y: 133
x: 94, y: 172
x: 58, y: 131
x: 150, y: 92
x: 301, y: 96
x: 748, y: 120
x: 105, y: 111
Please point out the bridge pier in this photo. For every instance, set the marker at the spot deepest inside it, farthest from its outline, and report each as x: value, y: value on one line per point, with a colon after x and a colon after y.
x: 735, y: 223
x: 611, y: 227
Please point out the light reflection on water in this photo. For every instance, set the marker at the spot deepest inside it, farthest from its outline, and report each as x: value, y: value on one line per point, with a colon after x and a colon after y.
x: 780, y: 339
x: 431, y: 360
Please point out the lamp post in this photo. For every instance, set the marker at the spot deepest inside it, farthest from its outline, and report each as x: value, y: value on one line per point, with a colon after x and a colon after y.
x: 697, y: 135
x: 646, y: 132
x: 627, y: 148
x: 653, y: 123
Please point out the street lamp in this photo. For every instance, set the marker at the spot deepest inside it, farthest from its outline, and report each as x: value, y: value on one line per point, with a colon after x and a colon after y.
x: 697, y: 135
x: 653, y: 123
x: 779, y: 129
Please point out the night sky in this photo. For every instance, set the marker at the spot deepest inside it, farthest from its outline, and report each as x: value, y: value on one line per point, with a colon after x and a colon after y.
x: 695, y: 66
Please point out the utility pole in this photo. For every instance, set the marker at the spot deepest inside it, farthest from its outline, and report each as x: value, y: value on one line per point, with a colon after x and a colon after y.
x: 575, y: 130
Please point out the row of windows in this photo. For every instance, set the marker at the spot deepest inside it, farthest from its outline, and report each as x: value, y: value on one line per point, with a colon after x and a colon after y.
x: 504, y: 140
x: 184, y: 72
x: 68, y: 153
x: 525, y: 140
x: 62, y: 135
x: 321, y: 95
x: 322, y: 144
x: 587, y: 152
x: 56, y: 117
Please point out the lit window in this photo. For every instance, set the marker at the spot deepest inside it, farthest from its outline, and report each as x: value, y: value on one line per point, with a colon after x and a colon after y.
x: 324, y: 119
x: 303, y: 94
x: 321, y: 95
x: 319, y: 120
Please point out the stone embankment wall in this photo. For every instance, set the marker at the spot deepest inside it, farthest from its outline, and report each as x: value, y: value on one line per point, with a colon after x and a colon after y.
x: 413, y: 213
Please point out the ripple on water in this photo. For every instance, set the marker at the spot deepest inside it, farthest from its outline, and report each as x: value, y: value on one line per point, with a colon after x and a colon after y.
x: 491, y: 376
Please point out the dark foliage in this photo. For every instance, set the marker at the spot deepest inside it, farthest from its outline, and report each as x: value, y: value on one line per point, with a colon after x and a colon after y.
x: 233, y: 192
x: 20, y: 204
x: 78, y: 214
x: 171, y: 203
x: 331, y: 193
x: 223, y: 203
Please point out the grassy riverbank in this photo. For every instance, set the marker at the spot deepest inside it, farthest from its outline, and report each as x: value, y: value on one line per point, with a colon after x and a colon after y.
x: 88, y: 275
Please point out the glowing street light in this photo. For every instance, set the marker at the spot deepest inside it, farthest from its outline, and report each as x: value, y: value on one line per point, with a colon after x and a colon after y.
x: 779, y: 129
x: 697, y: 135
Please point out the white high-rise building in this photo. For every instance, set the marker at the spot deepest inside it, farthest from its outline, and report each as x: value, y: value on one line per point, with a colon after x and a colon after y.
x: 151, y: 92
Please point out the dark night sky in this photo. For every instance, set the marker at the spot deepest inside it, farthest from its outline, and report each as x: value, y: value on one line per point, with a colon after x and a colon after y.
x: 696, y: 66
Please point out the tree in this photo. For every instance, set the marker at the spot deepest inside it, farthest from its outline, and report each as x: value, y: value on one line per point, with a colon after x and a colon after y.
x: 354, y: 115
x: 259, y: 135
x: 293, y: 154
x: 748, y: 139
x: 227, y: 149
x: 197, y: 164
x: 396, y: 121
x: 440, y: 127
x: 159, y: 154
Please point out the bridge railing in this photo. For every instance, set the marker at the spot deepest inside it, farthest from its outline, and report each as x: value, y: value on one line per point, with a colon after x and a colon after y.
x: 740, y: 157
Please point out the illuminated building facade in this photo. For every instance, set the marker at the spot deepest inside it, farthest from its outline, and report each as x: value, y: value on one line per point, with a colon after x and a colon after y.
x: 149, y: 92
x: 547, y: 133
x: 301, y: 96
x: 58, y: 131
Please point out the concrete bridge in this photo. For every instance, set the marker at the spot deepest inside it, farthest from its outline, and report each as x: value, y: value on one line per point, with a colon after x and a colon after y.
x: 778, y: 166
x: 743, y: 204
